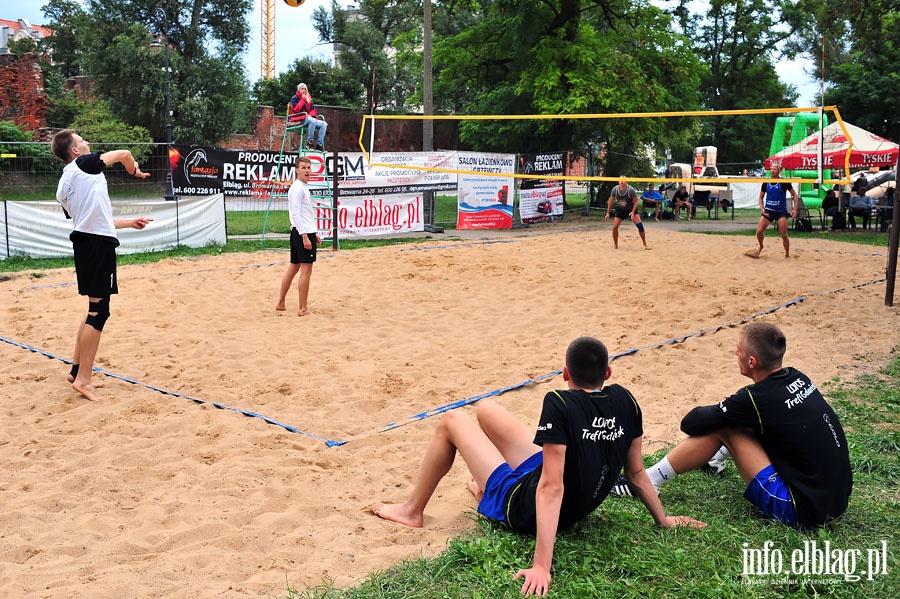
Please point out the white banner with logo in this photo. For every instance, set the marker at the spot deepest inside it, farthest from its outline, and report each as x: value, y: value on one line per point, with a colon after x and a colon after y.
x: 41, y: 230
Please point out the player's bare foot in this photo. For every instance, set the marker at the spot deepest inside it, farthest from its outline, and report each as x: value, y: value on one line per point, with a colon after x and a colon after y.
x: 303, y: 312
x: 279, y: 307
x: 754, y: 253
x: 398, y: 512
x: 97, y: 385
x: 647, y: 247
x: 87, y: 390
x: 474, y: 489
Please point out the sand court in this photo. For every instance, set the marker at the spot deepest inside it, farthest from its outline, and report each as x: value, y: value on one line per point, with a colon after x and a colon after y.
x: 167, y: 488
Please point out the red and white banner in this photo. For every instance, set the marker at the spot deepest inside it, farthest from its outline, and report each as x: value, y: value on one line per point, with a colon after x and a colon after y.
x: 372, y: 216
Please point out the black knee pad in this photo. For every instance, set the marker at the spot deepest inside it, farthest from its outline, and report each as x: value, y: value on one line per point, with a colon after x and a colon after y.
x: 102, y: 309
x: 640, y: 227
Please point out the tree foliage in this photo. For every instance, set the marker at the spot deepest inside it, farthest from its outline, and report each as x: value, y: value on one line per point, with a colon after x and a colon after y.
x: 22, y: 46
x: 561, y: 57
x: 861, y: 45
x: 97, y: 124
x: 18, y: 140
x: 379, y: 43
x: 740, y: 40
x: 67, y: 20
x: 329, y: 85
x: 110, y: 42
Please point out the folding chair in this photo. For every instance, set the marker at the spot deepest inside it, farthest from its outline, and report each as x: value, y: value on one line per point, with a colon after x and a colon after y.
x: 803, y: 220
x: 702, y: 200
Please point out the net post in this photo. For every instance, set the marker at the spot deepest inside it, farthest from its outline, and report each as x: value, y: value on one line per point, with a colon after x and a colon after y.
x: 893, y: 245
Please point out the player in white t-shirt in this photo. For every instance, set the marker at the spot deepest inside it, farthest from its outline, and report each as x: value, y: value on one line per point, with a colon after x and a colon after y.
x: 84, y: 196
x: 304, y: 238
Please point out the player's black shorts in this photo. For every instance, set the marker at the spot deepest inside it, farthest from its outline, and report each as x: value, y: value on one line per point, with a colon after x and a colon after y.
x: 774, y: 215
x: 95, y: 264
x: 299, y: 254
x: 623, y: 213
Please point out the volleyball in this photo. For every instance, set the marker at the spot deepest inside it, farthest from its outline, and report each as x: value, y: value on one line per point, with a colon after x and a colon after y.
x: 294, y: 3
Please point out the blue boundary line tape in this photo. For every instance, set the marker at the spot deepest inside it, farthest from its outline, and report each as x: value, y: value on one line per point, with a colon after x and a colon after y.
x: 468, y: 401
x: 426, y: 248
x: 457, y: 404
x: 291, y: 429
x: 175, y: 274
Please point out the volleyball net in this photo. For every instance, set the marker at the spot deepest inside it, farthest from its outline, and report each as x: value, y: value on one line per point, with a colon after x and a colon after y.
x: 805, y: 154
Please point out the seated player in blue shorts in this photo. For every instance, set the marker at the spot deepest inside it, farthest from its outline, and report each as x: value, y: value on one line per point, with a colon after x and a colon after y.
x: 786, y: 441
x: 544, y: 482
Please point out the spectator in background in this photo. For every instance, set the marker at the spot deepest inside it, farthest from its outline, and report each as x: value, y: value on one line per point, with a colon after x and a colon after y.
x: 860, y: 205
x: 860, y: 186
x: 302, y: 111
x: 653, y: 199
x: 832, y: 203
x: 682, y: 199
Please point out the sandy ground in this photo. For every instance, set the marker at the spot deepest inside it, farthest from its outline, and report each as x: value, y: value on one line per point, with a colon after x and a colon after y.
x: 156, y: 492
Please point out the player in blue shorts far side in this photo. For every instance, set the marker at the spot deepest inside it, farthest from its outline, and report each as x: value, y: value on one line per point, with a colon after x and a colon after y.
x: 773, y: 204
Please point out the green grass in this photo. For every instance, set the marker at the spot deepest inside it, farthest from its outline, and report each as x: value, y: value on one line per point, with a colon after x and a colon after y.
x: 619, y: 553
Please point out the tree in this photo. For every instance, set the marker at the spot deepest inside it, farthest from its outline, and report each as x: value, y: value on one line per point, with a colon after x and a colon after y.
x: 567, y: 57
x: 97, y: 124
x: 208, y: 82
x: 374, y: 43
x: 26, y: 45
x: 30, y: 156
x: 66, y: 19
x: 739, y: 41
x: 329, y: 85
x: 861, y: 45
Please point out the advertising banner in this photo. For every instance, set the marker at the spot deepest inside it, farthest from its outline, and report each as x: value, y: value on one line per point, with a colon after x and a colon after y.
x: 41, y: 230
x: 484, y: 201
x: 245, y: 173
x: 357, y: 179
x: 372, y: 216
x: 541, y: 199
x: 201, y: 171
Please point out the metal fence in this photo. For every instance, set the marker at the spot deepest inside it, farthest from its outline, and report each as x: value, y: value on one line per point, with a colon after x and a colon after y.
x: 29, y: 171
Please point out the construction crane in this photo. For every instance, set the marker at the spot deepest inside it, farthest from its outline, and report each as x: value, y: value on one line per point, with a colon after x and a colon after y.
x: 267, y: 39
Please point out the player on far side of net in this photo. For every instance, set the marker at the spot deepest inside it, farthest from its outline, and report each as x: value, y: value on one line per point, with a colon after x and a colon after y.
x: 624, y: 199
x: 84, y: 196
x: 773, y: 204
